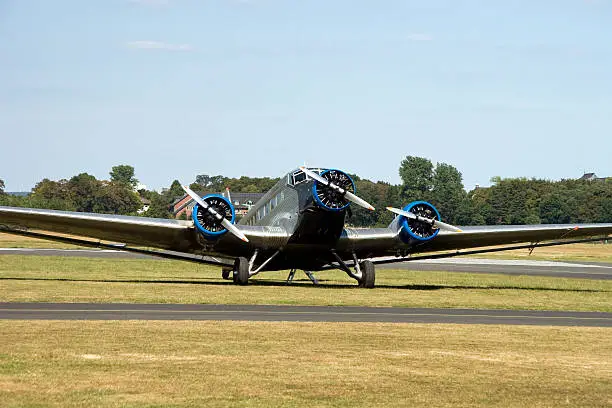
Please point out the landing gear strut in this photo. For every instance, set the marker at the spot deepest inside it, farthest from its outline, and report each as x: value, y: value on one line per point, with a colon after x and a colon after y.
x: 365, y: 271
x: 308, y: 273
x: 245, y: 268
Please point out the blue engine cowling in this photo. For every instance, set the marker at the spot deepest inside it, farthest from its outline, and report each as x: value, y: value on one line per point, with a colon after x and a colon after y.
x: 207, y: 224
x: 411, y: 229
x: 328, y: 198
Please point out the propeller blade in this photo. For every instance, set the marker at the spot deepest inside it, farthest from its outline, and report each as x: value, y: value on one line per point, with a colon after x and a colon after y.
x: 234, y: 229
x: 359, y: 201
x: 434, y: 223
x: 196, y: 197
x: 315, y: 176
x: 224, y: 221
x: 347, y: 194
x: 448, y: 227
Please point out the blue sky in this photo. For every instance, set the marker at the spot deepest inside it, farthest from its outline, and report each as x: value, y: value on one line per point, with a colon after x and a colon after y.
x: 256, y: 87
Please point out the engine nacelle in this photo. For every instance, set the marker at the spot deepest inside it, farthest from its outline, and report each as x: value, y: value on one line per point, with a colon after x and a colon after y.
x: 206, y: 222
x: 412, y: 229
x: 328, y: 198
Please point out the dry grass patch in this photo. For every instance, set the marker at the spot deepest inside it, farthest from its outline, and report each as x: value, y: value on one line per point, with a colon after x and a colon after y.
x: 591, y: 252
x: 261, y: 364
x: 17, y: 241
x: 60, y: 279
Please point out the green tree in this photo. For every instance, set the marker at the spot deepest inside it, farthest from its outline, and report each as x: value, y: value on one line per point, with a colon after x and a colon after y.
x: 375, y: 194
x: 448, y: 194
x: 84, y: 189
x: 124, y: 174
x: 555, y: 209
x: 50, y: 194
x: 160, y: 205
x: 1, y: 186
x: 116, y: 198
x: 210, y: 183
x: 417, y: 178
x: 175, y: 190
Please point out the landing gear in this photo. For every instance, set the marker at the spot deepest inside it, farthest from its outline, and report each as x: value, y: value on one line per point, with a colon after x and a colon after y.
x: 241, y: 271
x: 225, y: 273
x: 244, y: 268
x: 365, y: 271
x: 368, y: 274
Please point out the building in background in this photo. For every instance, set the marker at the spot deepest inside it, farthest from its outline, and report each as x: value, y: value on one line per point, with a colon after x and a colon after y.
x: 183, y: 207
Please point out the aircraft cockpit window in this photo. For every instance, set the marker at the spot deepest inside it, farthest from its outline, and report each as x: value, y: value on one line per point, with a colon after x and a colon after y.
x: 299, y: 177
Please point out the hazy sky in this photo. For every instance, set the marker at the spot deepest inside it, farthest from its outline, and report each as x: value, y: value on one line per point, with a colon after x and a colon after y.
x: 256, y: 87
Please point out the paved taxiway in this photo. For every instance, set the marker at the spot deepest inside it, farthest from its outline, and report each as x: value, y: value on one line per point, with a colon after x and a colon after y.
x: 580, y: 270
x: 117, y: 311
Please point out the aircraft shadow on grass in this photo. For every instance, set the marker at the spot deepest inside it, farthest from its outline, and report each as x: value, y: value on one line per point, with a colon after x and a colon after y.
x: 304, y: 283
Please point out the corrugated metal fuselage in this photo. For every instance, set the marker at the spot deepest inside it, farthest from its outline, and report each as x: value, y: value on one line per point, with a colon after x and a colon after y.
x: 311, y: 231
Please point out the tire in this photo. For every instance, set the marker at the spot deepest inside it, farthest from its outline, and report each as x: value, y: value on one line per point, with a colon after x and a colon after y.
x: 241, y: 271
x: 368, y: 274
x: 225, y: 273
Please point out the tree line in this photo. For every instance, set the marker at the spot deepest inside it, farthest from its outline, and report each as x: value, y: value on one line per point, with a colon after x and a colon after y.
x: 506, y: 201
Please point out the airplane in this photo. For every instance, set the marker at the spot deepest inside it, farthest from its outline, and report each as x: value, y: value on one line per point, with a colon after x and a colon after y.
x: 299, y: 224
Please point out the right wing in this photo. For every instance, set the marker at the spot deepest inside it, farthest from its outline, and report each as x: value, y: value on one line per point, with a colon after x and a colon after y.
x: 164, y: 234
x: 385, y: 242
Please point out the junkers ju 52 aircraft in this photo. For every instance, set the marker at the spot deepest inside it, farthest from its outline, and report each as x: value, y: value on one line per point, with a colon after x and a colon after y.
x: 298, y: 224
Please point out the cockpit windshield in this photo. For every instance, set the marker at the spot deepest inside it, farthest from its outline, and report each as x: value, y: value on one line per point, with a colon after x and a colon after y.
x: 299, y: 176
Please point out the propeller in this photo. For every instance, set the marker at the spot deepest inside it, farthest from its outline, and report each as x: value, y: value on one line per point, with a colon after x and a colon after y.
x: 224, y: 221
x: 432, y: 221
x: 347, y: 194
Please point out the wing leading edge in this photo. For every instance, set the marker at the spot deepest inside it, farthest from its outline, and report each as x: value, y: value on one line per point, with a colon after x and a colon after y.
x: 385, y: 243
x: 166, y: 234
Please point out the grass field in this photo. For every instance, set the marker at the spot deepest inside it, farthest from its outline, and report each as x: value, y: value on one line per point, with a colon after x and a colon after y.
x: 590, y: 252
x: 68, y: 279
x: 134, y: 364
x: 16, y: 241
x: 261, y: 364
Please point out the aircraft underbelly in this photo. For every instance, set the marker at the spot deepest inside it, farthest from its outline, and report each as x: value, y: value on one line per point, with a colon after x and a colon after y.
x: 318, y: 227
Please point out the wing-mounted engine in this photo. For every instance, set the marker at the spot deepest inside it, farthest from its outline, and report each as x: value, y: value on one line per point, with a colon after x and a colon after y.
x: 210, y: 223
x: 214, y: 215
x: 416, y: 228
x: 419, y: 221
x: 332, y: 197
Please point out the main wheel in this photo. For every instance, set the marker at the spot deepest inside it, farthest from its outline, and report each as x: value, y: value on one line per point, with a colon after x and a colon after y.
x: 368, y: 274
x: 241, y: 271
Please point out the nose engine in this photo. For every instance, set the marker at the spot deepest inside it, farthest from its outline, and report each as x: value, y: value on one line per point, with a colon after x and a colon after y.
x: 210, y: 223
x: 332, y: 196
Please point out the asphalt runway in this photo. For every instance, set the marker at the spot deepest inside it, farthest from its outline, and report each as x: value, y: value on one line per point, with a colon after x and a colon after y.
x: 581, y: 270
x: 115, y: 311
